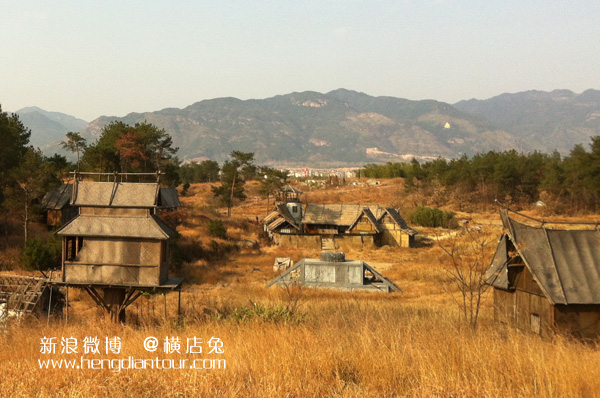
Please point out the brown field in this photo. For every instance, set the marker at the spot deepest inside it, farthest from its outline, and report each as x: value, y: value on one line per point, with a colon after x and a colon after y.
x: 410, y: 344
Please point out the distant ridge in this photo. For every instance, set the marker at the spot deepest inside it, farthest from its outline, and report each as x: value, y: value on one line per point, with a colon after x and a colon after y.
x: 342, y: 127
x: 49, y: 128
x: 542, y: 120
x: 345, y: 127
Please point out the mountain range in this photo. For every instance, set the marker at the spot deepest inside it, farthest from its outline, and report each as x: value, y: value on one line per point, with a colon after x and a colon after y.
x: 345, y: 128
x: 48, y: 129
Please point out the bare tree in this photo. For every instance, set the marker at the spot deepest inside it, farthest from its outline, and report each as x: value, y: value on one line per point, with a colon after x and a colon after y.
x: 292, y: 293
x: 466, y: 267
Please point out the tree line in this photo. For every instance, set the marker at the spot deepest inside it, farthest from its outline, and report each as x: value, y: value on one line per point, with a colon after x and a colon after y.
x: 26, y: 175
x: 570, y: 182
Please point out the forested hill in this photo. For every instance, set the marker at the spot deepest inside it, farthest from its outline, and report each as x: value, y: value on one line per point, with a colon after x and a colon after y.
x: 544, y: 120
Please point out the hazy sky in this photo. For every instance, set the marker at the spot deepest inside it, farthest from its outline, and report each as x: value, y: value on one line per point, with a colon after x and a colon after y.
x: 93, y: 58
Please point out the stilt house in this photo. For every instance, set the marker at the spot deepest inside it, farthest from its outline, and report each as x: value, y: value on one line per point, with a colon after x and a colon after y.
x: 547, y: 280
x: 117, y: 237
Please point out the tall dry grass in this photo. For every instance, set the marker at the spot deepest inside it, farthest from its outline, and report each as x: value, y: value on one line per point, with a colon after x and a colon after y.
x: 360, y: 345
x: 409, y: 344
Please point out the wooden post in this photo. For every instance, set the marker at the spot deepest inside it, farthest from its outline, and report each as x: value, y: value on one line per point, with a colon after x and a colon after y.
x: 64, y: 256
x: 115, y: 301
x: 49, y: 300
x: 165, y: 296
x: 67, y: 304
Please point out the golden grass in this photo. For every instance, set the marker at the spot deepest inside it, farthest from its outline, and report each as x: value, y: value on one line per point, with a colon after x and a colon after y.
x: 361, y: 345
x: 408, y: 344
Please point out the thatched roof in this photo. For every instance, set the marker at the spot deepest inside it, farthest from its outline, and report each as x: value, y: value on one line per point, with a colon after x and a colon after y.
x: 342, y: 215
x: 150, y: 227
x: 115, y: 194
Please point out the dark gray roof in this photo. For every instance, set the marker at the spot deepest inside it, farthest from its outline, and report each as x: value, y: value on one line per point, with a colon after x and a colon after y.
x: 399, y: 220
x: 497, y: 274
x: 285, y: 213
x: 168, y: 198
x: 57, y: 198
x: 566, y: 263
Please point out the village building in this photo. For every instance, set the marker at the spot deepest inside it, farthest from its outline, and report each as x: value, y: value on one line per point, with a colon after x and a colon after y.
x: 57, y: 203
x: 333, y: 271
x: 117, y: 242
x: 337, y: 226
x: 547, y: 280
x: 60, y: 210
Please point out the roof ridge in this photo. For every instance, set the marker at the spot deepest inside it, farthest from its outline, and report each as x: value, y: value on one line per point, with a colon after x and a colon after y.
x: 562, y: 288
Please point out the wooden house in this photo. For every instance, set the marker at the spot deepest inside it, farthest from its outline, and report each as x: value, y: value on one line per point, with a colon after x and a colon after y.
x: 343, y: 225
x: 333, y: 271
x: 57, y: 203
x: 117, y: 237
x: 547, y: 280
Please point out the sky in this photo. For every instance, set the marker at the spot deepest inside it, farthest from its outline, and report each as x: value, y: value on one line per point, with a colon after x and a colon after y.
x: 91, y: 58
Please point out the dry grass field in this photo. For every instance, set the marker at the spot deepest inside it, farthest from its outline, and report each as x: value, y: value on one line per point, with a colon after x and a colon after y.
x: 301, y: 342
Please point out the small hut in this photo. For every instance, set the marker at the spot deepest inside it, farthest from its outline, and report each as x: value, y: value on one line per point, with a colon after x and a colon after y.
x: 57, y: 203
x: 333, y: 271
x: 547, y: 280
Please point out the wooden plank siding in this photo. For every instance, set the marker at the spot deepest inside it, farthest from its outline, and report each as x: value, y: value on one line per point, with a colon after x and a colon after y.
x: 392, y: 233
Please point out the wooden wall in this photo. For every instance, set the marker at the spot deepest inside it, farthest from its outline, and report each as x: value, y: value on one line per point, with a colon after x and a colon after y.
x: 526, y: 311
x: 392, y: 234
x: 120, y: 262
x: 578, y: 320
x: 341, y: 242
x: 112, y: 274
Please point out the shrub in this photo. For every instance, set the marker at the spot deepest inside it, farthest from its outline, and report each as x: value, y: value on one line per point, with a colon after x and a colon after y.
x: 277, y: 313
x: 217, y: 229
x: 41, y: 255
x: 185, y: 189
x: 432, y: 217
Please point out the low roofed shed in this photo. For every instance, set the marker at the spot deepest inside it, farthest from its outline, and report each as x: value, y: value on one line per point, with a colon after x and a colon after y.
x: 546, y: 278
